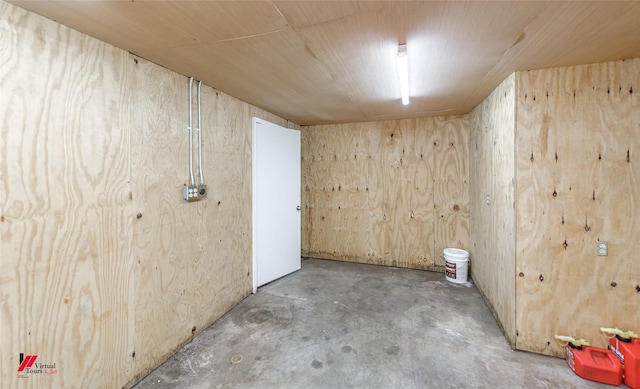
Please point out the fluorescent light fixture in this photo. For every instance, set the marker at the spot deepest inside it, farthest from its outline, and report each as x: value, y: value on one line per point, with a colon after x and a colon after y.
x: 403, y: 73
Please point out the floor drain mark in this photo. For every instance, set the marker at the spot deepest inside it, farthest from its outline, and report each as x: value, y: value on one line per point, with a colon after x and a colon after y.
x: 237, y: 359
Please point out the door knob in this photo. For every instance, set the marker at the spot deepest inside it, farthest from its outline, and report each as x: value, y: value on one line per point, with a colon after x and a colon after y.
x: 298, y: 208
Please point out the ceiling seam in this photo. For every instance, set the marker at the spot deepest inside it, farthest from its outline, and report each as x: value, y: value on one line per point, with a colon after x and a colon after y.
x: 313, y: 54
x: 517, y: 41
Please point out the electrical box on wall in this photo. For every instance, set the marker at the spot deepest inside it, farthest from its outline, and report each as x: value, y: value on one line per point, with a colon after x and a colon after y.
x: 602, y: 248
x: 202, y: 191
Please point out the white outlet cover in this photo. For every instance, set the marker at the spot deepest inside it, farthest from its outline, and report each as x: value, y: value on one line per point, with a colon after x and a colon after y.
x: 602, y: 248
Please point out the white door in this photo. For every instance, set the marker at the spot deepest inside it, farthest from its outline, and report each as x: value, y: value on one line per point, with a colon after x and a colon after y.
x: 276, y: 202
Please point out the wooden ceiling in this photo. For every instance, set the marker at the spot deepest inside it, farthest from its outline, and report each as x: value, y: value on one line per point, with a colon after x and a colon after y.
x: 316, y: 62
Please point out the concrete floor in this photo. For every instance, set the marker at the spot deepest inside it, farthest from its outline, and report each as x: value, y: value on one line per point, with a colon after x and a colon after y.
x: 343, y: 325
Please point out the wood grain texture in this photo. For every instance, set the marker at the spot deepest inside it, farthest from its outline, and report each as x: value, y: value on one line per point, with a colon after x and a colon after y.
x: 577, y: 182
x: 451, y: 185
x: 66, y: 249
x: 369, y: 191
x: 164, y: 250
x: 320, y: 62
x: 193, y: 260
x: 90, y: 137
x: 493, y: 225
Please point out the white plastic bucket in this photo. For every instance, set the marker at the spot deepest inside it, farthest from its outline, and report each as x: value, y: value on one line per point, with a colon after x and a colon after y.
x: 455, y: 265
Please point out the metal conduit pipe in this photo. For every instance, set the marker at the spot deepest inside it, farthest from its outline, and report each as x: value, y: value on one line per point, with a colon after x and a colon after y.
x: 191, y: 131
x: 200, y: 137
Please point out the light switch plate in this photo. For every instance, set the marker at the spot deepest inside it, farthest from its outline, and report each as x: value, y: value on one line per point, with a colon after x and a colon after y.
x: 602, y: 248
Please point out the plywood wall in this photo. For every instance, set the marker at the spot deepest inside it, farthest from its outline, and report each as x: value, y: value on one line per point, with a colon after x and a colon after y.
x: 578, y: 181
x: 65, y: 216
x: 105, y: 269
x: 492, y: 182
x: 389, y: 193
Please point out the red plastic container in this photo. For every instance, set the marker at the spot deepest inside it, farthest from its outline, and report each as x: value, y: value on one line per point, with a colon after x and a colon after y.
x: 595, y: 364
x: 628, y: 352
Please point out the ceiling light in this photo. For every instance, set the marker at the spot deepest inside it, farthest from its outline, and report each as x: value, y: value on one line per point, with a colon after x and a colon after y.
x: 403, y: 73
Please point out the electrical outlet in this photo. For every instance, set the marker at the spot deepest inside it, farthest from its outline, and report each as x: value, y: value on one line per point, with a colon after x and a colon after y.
x: 190, y: 193
x: 602, y: 248
x: 202, y: 191
x: 488, y: 199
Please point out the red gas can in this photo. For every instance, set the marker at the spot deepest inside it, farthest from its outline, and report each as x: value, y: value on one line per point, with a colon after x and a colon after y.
x: 628, y: 352
x: 595, y: 364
